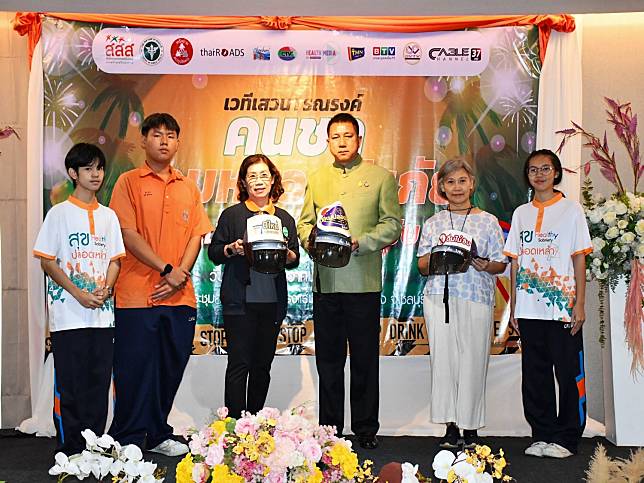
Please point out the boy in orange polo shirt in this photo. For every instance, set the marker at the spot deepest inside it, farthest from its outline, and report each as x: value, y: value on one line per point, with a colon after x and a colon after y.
x: 163, y: 222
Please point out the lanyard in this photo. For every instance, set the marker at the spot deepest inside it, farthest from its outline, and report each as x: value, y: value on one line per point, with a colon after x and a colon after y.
x: 464, y: 221
x: 446, y: 286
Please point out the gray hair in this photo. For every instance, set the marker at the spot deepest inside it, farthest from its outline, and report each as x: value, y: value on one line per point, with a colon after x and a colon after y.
x: 449, y: 167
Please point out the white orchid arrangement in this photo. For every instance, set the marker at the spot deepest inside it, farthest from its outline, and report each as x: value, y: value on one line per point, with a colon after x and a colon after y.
x: 105, y: 457
x: 616, y: 227
x: 478, y: 466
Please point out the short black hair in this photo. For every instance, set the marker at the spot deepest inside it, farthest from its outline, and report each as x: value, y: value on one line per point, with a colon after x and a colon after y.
x: 343, y: 117
x: 554, y: 159
x: 160, y: 119
x: 82, y: 155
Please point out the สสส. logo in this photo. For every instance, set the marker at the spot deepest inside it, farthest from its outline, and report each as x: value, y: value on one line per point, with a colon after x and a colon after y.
x: 456, y: 54
x: 151, y: 51
x: 287, y: 53
x: 355, y: 53
x: 118, y: 49
x: 412, y: 53
x: 181, y: 51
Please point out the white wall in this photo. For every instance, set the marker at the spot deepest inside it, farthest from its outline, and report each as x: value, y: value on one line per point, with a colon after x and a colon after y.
x: 613, y: 66
x: 13, y: 215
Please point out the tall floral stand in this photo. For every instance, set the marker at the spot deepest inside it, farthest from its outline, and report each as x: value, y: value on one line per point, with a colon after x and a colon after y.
x: 623, y: 394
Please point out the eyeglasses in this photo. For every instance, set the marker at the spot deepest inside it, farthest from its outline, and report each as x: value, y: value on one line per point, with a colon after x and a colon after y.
x: 253, y: 178
x: 533, y: 171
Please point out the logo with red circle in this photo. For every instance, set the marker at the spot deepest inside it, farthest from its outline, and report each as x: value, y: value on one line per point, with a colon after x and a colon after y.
x: 181, y: 51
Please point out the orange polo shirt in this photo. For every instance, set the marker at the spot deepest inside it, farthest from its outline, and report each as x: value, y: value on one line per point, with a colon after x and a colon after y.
x: 167, y: 214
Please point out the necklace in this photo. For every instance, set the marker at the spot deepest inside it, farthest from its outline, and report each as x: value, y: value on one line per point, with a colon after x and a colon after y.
x: 467, y: 213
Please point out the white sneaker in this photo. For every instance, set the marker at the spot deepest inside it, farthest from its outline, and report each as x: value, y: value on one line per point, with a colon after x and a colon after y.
x: 553, y: 450
x: 170, y: 447
x: 536, y: 449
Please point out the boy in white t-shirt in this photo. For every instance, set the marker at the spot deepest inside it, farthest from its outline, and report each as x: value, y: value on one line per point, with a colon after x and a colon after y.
x: 79, y: 246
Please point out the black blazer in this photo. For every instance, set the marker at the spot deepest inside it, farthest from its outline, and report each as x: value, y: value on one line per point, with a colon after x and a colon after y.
x: 230, y: 227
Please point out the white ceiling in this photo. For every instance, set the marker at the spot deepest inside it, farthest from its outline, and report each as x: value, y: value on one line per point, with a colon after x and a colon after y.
x: 327, y: 7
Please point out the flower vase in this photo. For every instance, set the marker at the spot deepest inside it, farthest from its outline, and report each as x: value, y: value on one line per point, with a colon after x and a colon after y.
x: 623, y: 391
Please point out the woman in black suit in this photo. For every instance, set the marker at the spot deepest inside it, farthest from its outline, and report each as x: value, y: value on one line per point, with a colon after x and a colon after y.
x: 254, y: 304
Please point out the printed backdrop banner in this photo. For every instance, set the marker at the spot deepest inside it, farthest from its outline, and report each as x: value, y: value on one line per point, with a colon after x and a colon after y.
x: 420, y: 99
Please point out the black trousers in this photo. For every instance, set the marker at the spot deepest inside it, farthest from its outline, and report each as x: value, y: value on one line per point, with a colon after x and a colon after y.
x: 251, y: 340
x: 547, y: 344
x: 83, y: 372
x: 151, y: 349
x: 354, y: 318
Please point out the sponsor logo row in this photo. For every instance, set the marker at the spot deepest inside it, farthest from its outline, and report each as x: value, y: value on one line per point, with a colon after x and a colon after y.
x: 119, y: 49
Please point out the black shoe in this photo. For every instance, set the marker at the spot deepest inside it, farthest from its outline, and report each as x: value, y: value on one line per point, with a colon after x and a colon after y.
x: 470, y: 438
x: 450, y: 440
x: 368, y: 441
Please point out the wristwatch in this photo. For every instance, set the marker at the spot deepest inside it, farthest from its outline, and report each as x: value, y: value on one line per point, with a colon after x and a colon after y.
x: 168, y: 268
x: 110, y: 291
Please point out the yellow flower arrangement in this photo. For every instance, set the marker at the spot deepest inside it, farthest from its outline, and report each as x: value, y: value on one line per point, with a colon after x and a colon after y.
x: 270, y: 446
x: 347, y: 460
x: 222, y: 474
x: 184, y: 469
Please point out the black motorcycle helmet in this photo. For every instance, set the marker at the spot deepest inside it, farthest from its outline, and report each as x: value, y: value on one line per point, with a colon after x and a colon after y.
x: 330, y: 240
x: 264, y: 245
x: 452, y: 256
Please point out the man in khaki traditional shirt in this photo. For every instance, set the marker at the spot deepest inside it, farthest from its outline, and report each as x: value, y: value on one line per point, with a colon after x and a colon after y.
x: 346, y: 301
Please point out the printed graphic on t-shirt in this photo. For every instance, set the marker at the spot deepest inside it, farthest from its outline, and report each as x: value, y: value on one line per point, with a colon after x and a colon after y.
x: 543, y: 244
x: 83, y: 240
x: 543, y: 239
x: 555, y: 290
x: 83, y: 280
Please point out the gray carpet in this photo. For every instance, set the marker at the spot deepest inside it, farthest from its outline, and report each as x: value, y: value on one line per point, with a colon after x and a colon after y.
x: 26, y: 459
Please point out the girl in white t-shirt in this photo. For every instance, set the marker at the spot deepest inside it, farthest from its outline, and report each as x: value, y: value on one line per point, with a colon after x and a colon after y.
x: 548, y: 243
x: 460, y: 345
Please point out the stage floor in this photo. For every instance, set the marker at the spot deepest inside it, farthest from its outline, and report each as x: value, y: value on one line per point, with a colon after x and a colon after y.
x: 26, y: 459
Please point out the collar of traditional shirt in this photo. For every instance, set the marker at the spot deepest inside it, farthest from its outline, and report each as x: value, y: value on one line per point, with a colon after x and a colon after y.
x: 350, y: 166
x: 145, y: 170
x: 269, y: 208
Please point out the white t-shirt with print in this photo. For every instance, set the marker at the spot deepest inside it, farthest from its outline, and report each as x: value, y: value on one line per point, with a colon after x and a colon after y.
x: 543, y: 239
x: 472, y: 285
x: 83, y: 238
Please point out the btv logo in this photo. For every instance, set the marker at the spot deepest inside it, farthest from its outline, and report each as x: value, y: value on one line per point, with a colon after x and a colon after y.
x: 355, y: 53
x: 384, y: 51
